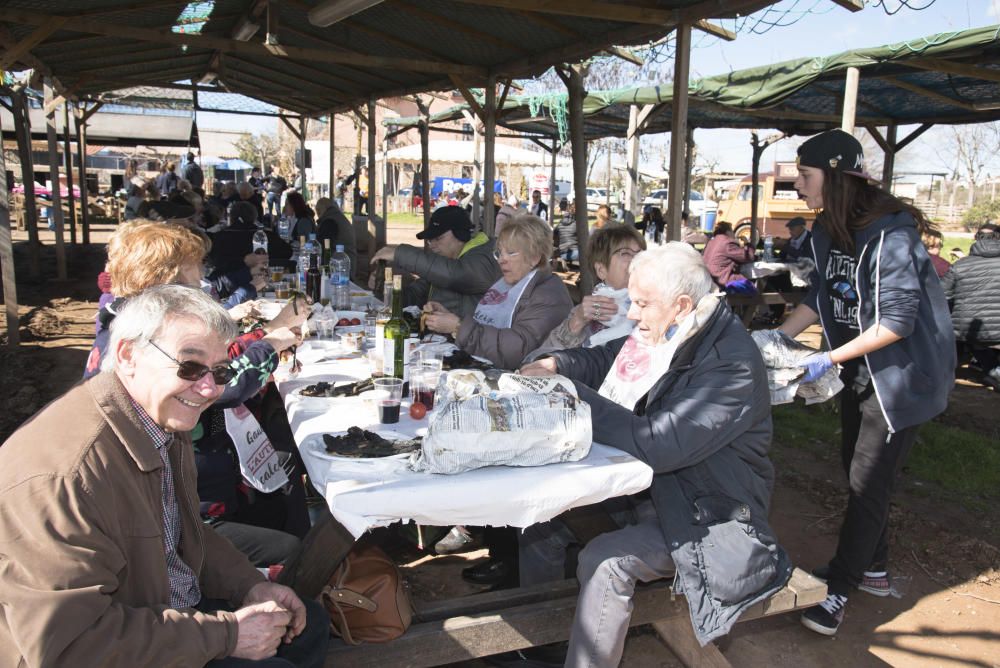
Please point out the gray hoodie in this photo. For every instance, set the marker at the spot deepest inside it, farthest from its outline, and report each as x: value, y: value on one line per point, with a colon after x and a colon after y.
x: 897, y: 287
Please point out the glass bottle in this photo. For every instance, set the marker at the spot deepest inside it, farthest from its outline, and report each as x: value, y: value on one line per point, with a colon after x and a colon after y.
x: 314, y: 280
x: 397, y: 331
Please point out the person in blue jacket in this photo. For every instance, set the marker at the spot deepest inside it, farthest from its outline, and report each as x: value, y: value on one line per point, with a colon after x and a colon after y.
x: 885, y: 319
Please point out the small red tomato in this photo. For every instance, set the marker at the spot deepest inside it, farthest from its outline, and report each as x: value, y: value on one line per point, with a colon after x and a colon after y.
x: 417, y: 410
x: 355, y: 321
x: 343, y: 322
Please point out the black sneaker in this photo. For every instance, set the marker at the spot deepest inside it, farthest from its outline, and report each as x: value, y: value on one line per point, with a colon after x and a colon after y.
x: 543, y: 656
x: 876, y: 584
x: 826, y: 617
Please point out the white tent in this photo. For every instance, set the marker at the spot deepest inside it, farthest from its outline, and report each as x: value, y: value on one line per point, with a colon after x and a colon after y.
x: 460, y: 152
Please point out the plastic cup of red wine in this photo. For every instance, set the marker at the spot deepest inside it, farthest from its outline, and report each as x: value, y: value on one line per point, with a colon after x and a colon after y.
x: 389, y: 402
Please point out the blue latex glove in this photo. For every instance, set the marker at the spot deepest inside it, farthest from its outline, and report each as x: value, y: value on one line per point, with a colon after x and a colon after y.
x: 815, y: 366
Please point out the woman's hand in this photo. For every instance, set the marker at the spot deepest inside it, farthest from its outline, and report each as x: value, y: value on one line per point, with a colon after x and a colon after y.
x: 543, y: 367
x: 443, y: 321
x: 592, y: 307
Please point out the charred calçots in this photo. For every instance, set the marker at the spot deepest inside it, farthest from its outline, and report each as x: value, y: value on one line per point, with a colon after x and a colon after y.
x: 358, y: 442
x: 325, y: 389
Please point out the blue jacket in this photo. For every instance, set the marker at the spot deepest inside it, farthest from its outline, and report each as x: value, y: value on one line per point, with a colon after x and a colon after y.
x: 897, y: 287
x: 705, y: 429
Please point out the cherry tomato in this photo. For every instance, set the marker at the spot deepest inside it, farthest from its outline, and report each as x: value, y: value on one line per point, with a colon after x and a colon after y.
x: 343, y: 322
x: 355, y: 321
x: 417, y: 410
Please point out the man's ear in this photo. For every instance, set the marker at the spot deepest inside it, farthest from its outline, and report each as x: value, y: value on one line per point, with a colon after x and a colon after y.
x: 125, y: 357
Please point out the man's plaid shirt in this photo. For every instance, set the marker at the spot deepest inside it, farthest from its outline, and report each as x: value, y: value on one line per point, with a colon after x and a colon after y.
x: 184, y: 589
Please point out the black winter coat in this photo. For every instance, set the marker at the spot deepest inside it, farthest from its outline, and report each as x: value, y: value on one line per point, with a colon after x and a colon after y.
x: 972, y: 287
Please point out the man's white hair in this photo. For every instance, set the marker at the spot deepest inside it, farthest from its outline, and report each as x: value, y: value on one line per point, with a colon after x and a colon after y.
x: 676, y: 269
x: 145, y: 314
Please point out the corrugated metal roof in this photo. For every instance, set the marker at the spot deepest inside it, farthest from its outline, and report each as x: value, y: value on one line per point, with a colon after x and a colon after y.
x: 394, y: 48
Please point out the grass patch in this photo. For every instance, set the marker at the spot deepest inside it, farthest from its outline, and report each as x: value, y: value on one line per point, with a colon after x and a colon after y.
x: 406, y: 218
x: 956, y: 242
x: 964, y: 464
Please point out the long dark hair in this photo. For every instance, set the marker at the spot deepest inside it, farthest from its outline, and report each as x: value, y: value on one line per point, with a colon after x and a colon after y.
x: 850, y: 203
x: 299, y: 205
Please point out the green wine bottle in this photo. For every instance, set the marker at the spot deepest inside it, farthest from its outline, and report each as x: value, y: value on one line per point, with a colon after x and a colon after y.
x: 394, y: 353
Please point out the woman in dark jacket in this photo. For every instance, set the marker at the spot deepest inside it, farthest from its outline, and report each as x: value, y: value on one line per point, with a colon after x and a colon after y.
x: 885, y: 319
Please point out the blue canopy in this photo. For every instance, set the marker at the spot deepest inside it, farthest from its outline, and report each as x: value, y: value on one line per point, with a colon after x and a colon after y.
x: 234, y: 165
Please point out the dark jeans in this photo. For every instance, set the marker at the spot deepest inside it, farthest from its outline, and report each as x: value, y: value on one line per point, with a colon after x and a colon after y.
x: 273, y: 203
x: 872, y: 458
x: 307, y: 650
x: 262, y: 546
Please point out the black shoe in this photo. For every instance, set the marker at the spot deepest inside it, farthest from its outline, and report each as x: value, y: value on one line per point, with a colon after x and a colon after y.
x: 544, y: 656
x: 876, y: 584
x: 489, y: 572
x: 826, y: 617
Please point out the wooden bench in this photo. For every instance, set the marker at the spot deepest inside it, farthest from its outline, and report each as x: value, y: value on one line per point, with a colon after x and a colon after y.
x: 483, y: 624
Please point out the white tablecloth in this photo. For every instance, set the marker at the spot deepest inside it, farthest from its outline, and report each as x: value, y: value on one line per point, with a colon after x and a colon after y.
x: 370, y: 493
x: 799, y: 270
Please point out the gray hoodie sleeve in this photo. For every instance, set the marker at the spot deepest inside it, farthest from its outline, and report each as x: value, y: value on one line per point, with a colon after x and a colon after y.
x: 473, y: 273
x: 894, y: 275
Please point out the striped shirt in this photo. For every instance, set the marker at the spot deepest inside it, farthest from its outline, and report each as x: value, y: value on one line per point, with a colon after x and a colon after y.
x: 184, y: 589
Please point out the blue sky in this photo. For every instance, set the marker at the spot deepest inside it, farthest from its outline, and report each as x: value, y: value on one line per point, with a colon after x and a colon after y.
x: 820, y: 28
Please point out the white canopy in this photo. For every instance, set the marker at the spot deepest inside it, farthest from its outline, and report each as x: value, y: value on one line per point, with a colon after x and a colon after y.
x: 460, y: 152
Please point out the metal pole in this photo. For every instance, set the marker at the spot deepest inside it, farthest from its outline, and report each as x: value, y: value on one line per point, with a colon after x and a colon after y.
x: 678, y: 131
x: 22, y: 129
x: 850, y: 99
x: 7, y: 259
x: 68, y: 155
x: 489, y: 159
x: 56, y: 209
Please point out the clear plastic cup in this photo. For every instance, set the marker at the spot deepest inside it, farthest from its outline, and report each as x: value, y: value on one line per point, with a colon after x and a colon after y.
x: 389, y: 403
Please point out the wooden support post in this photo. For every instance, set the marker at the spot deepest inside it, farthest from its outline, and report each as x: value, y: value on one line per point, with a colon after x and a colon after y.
x: 385, y: 180
x: 889, y: 163
x: 68, y: 156
x: 479, y: 189
x: 81, y: 150
x: 678, y: 130
x: 56, y: 209
x: 302, y: 153
x: 758, y: 149
x: 22, y: 129
x: 489, y: 159
x: 688, y: 168
x: 425, y: 178
x: 7, y: 259
x: 850, y: 99
x: 632, y: 161
x: 573, y: 78
x: 380, y: 229
x: 333, y: 150
x: 552, y: 178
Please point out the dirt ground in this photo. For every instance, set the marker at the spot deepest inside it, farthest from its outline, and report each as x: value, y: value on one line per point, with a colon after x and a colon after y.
x: 946, y: 560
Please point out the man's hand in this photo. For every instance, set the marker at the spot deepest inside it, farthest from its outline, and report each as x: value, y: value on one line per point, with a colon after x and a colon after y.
x: 241, y: 311
x: 815, y: 366
x: 543, y: 367
x: 288, y: 316
x: 261, y: 628
x: 283, y: 338
x: 387, y: 253
x: 286, y: 599
x: 258, y: 281
x: 255, y: 260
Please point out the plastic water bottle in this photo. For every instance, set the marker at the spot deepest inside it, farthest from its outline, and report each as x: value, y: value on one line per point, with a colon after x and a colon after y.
x: 340, y: 279
x: 650, y: 233
x: 284, y: 227
x: 260, y: 242
x: 310, y: 249
x: 768, y: 248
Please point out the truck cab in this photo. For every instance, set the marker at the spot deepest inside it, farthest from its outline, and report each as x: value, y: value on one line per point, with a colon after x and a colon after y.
x: 777, y: 203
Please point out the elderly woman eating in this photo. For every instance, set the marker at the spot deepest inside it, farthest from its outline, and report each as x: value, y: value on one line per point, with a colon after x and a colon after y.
x: 603, y: 315
x: 685, y: 392
x: 519, y: 311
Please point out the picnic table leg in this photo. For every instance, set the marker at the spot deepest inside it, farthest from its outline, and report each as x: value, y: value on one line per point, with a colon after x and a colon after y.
x: 677, y: 634
x: 322, y: 551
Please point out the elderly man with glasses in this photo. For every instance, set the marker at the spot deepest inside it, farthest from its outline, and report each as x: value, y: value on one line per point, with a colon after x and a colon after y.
x: 103, y: 556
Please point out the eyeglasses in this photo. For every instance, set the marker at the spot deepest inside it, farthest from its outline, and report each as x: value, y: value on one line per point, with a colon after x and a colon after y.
x: 497, y: 254
x: 191, y: 370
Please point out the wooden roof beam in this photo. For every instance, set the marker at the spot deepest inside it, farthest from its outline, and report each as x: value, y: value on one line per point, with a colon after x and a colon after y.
x: 929, y: 94
x: 850, y: 5
x: 951, y: 67
x: 37, y: 36
x: 431, y: 17
x: 470, y: 99
x: 227, y: 45
x: 713, y: 29
x: 588, y: 9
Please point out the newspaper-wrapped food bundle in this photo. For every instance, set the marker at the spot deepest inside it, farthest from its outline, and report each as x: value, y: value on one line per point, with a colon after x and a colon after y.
x: 524, y: 422
x: 782, y: 356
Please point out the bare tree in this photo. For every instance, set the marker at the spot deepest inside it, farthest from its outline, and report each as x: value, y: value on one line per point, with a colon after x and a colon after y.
x: 970, y: 149
x: 261, y: 150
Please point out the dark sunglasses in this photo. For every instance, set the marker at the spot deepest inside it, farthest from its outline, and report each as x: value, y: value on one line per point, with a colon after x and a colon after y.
x: 190, y: 370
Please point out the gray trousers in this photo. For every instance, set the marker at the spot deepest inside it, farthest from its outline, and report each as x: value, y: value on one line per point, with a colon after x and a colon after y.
x: 608, y: 568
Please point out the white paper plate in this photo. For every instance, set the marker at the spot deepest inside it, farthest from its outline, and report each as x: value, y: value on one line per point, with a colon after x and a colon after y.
x: 313, y: 444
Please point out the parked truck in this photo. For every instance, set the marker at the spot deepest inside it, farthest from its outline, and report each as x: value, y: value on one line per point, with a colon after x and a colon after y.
x: 777, y: 203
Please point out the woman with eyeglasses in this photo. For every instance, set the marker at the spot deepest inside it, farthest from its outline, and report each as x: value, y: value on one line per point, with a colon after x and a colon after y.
x: 602, y: 316
x: 522, y: 307
x: 142, y: 254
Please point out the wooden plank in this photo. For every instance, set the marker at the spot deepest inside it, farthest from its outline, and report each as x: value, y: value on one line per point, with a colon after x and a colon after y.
x: 36, y: 37
x: 322, y: 550
x: 56, y: 209
x: 495, y: 600
x: 590, y: 9
x: 677, y: 634
x: 7, y: 261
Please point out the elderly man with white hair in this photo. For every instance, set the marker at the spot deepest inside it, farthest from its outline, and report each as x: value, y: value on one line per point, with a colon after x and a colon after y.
x: 686, y: 392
